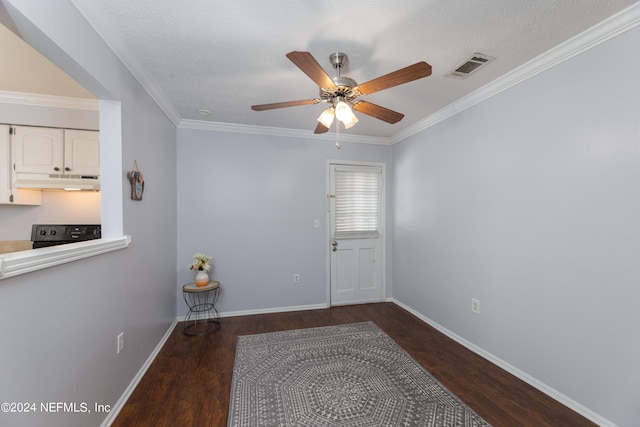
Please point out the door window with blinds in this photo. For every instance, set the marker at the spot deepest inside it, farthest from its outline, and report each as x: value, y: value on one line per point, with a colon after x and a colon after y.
x: 358, y: 201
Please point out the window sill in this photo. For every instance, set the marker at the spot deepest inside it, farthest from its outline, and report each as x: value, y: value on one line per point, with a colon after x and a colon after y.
x: 17, y: 263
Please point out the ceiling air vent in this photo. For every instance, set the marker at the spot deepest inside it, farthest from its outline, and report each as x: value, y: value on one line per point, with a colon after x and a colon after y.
x: 471, y: 65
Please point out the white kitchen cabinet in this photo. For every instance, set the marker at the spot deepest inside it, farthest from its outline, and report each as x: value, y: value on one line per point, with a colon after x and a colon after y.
x: 82, y: 152
x: 8, y: 193
x: 40, y: 150
x: 37, y: 149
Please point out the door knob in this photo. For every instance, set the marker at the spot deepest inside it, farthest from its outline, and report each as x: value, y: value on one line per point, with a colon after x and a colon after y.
x: 334, y: 243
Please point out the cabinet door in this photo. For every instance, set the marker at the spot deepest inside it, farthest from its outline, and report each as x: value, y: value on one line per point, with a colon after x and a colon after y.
x: 81, y: 152
x: 38, y: 150
x: 5, y: 165
x: 8, y: 193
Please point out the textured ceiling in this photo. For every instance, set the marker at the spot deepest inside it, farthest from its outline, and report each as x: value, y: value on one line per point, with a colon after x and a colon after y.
x: 226, y: 56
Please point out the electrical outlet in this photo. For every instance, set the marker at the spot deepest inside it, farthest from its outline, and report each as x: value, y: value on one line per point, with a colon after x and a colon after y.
x: 120, y: 342
x: 475, y: 305
x: 296, y: 278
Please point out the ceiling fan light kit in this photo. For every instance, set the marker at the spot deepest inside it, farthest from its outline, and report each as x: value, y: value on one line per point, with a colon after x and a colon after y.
x: 342, y: 92
x: 344, y: 113
x: 326, y: 118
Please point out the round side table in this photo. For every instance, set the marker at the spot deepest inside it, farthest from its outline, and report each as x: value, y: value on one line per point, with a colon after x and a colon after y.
x: 202, y: 317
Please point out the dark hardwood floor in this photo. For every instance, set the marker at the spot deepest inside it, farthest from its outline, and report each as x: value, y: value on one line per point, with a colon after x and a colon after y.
x: 188, y: 383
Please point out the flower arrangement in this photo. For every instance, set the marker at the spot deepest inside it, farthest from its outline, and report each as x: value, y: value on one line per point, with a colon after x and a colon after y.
x: 202, y: 263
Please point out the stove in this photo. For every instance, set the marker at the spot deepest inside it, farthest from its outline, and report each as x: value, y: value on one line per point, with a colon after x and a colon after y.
x: 44, y: 235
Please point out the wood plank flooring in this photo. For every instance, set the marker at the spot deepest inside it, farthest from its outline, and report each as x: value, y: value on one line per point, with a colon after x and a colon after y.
x: 188, y: 383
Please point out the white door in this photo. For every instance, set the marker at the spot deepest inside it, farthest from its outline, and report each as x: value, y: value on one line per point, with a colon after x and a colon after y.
x: 356, y: 265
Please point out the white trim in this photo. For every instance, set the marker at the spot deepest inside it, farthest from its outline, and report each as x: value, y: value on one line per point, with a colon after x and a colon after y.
x: 613, y: 26
x: 359, y: 302
x: 265, y: 311
x: 120, y: 403
x: 50, y: 101
x: 95, y: 16
x: 17, y: 263
x: 117, y: 407
x: 544, y: 388
x: 273, y: 131
x: 274, y: 310
x: 617, y: 24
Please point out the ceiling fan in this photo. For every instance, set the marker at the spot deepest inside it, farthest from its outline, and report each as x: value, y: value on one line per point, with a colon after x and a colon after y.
x: 342, y: 93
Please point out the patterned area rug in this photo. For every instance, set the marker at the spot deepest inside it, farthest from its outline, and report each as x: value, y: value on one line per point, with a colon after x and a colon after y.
x: 349, y: 376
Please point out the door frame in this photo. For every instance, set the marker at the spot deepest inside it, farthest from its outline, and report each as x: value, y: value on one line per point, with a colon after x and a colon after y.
x: 383, y: 221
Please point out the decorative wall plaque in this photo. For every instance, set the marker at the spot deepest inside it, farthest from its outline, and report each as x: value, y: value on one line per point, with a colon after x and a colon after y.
x: 137, y: 182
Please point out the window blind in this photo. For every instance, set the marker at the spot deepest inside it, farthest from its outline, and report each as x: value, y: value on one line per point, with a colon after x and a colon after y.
x: 358, y: 202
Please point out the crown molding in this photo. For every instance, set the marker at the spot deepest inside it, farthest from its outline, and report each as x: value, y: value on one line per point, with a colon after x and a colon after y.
x: 617, y: 24
x: 273, y: 131
x: 94, y: 15
x: 50, y: 101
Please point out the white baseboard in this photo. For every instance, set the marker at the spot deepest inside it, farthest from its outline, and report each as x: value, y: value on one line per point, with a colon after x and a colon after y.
x: 266, y: 311
x: 544, y: 388
x: 117, y: 407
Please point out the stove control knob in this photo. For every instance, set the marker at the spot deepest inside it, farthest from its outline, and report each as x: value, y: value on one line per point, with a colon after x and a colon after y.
x: 53, y: 232
x: 43, y: 232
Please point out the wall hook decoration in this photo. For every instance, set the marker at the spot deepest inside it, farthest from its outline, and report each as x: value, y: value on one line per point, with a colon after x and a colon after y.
x: 137, y: 182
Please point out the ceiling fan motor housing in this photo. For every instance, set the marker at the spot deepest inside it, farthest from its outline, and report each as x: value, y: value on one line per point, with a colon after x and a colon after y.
x: 344, y: 85
x: 343, y: 88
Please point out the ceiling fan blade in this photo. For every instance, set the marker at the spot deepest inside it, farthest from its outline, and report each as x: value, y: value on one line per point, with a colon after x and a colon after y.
x: 401, y: 76
x: 275, y: 105
x: 321, y: 128
x: 307, y: 63
x: 377, y: 111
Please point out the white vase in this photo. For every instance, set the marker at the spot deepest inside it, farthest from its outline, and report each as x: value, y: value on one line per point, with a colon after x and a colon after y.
x: 202, y: 278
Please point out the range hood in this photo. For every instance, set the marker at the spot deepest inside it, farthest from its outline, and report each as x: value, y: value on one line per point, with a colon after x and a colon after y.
x: 61, y: 182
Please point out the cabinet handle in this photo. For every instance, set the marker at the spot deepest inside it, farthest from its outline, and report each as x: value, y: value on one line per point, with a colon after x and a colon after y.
x: 67, y: 169
x: 57, y: 169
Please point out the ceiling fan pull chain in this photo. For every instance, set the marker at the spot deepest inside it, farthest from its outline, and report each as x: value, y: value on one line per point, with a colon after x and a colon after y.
x: 338, y: 134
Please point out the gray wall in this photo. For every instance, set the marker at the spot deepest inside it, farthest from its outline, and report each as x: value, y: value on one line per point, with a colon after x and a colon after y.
x: 59, y: 325
x: 249, y: 201
x: 530, y: 202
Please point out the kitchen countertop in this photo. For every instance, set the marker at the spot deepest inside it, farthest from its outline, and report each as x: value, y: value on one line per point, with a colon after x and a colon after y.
x: 15, y: 246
